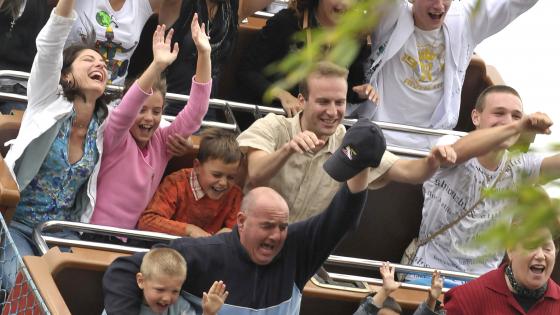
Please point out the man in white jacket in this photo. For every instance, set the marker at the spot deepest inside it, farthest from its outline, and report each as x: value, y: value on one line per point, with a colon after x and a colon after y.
x: 421, y: 50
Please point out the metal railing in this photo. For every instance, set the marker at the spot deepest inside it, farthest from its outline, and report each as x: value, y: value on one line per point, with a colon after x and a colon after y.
x: 42, y: 241
x: 366, y: 263
x: 258, y: 111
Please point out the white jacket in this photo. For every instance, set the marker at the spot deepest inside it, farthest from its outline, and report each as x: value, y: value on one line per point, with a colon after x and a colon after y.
x: 463, y: 28
x: 46, y: 109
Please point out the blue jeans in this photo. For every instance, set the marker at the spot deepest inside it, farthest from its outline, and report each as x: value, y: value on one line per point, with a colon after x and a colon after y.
x: 22, y: 235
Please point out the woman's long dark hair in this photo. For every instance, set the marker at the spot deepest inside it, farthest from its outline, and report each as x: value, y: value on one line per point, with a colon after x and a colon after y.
x: 71, y: 89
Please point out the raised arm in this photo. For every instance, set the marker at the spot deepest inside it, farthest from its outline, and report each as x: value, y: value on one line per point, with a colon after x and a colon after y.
x: 389, y: 285
x: 164, y: 55
x: 550, y: 168
x: 64, y: 8
x: 43, y: 84
x: 201, y: 40
x: 417, y: 171
x: 318, y: 236
x: 190, y: 118
x: 489, y: 17
x: 122, y: 118
x: 482, y: 141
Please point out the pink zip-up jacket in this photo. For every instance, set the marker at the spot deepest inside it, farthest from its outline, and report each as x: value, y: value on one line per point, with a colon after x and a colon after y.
x: 128, y: 178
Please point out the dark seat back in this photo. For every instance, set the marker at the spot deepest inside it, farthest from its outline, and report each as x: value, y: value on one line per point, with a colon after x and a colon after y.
x: 478, y: 77
x: 229, y: 88
x: 391, y: 219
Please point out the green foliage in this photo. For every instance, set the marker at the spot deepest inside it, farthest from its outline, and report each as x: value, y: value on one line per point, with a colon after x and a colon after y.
x: 531, y: 210
x: 339, y: 45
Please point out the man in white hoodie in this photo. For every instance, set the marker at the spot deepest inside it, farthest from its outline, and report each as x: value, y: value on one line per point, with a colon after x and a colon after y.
x: 421, y: 50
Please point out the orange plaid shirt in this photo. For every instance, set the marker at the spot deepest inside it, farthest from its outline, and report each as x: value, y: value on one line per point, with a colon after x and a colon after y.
x: 179, y: 200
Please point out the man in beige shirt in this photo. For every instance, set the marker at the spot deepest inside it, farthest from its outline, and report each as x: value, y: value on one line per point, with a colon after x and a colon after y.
x: 287, y: 154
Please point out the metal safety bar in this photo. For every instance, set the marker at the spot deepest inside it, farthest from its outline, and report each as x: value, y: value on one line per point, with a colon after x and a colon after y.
x: 54, y: 225
x: 257, y: 111
x: 49, y: 226
x: 359, y: 262
x: 379, y: 282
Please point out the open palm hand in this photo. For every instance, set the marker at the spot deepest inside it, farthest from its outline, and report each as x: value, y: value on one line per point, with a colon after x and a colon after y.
x: 164, y: 52
x: 214, y: 299
x: 199, y: 36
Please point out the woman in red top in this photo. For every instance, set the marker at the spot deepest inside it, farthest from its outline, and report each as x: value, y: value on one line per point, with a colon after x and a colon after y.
x: 521, y: 287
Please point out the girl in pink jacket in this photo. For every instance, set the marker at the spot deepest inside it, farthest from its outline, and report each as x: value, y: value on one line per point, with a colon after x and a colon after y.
x: 134, y: 148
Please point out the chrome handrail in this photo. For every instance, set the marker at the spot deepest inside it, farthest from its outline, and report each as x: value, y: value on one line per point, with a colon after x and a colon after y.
x: 13, y: 97
x: 379, y: 282
x: 42, y: 240
x: 360, y: 262
x: 232, y: 125
x: 409, y: 128
x: 251, y: 108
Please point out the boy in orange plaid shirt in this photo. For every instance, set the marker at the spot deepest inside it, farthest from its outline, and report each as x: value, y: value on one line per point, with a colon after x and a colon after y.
x: 202, y: 200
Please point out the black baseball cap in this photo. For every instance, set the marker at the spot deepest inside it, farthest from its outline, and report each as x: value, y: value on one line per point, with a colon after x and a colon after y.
x: 363, y: 146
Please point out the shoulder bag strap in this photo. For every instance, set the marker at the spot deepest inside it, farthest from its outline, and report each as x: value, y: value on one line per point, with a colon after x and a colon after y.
x: 462, y: 215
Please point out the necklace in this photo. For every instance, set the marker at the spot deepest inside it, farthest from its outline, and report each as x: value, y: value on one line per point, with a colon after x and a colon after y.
x: 80, y: 125
x: 17, y: 16
x: 522, y: 291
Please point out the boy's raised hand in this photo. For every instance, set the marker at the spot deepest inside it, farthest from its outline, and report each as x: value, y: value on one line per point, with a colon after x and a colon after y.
x: 199, y: 36
x: 388, y: 274
x: 214, y: 299
x: 164, y: 52
x: 435, y: 290
x: 437, y: 285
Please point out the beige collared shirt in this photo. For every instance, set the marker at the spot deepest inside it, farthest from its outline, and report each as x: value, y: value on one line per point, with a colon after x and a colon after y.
x: 307, y: 188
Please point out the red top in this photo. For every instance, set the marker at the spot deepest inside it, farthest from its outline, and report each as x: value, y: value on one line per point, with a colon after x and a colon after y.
x: 489, y: 294
x: 174, y: 205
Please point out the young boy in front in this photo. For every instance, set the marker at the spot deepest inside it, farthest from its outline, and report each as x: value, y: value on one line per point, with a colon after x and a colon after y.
x: 161, y: 276
x: 203, y: 200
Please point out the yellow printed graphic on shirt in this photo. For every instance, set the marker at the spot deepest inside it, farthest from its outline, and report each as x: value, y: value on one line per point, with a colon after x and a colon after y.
x: 427, y: 70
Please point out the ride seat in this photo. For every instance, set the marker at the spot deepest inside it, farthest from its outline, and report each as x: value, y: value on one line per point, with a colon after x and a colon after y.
x: 389, y: 222
x: 478, y: 77
x: 71, y: 283
x: 9, y: 193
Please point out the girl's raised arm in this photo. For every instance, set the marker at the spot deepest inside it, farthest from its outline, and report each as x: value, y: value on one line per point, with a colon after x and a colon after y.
x: 122, y: 118
x: 164, y: 55
x: 203, y: 63
x: 190, y: 118
x: 64, y: 8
